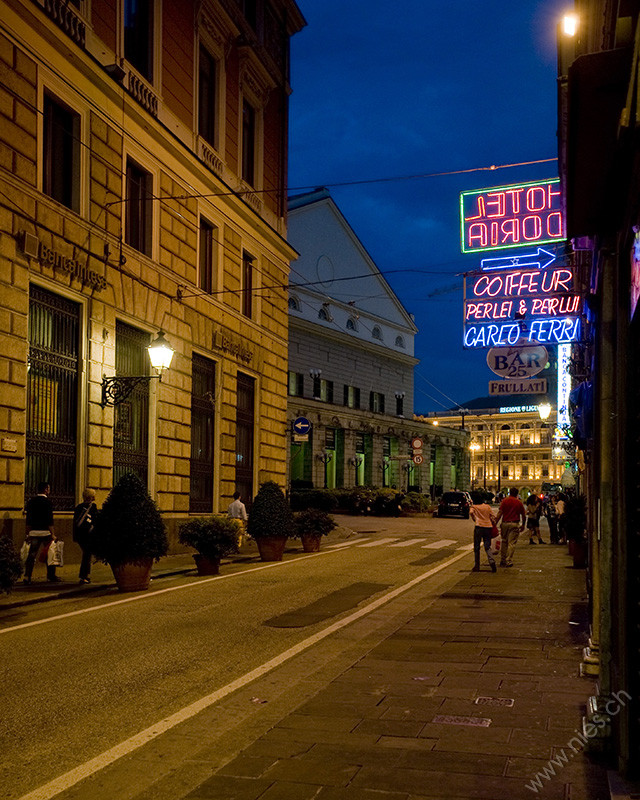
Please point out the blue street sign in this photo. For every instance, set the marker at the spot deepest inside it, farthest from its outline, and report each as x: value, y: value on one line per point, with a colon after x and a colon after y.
x: 301, y: 425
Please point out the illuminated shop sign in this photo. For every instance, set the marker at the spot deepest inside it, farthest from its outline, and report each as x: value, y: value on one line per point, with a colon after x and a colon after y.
x: 564, y: 388
x: 541, y: 331
x: 505, y: 217
x: 516, y: 409
x: 517, y: 307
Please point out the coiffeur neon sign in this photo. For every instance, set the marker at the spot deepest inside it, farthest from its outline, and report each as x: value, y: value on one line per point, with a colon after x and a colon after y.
x: 511, y: 216
x: 521, y: 306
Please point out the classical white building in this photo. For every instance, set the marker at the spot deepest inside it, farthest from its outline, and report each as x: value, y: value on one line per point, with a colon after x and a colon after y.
x: 351, y: 361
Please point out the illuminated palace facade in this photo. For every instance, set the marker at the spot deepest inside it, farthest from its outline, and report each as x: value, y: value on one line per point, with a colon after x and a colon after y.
x: 143, y: 176
x: 509, y: 446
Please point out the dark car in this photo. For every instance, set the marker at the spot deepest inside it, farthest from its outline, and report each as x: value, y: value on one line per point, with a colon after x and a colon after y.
x: 454, y: 504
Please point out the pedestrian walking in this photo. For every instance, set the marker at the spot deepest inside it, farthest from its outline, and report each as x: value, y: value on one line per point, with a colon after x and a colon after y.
x: 40, y: 531
x: 534, y: 512
x: 84, y: 517
x: 480, y: 512
x: 513, y: 516
x: 551, y: 513
x: 237, y: 509
x: 561, y: 509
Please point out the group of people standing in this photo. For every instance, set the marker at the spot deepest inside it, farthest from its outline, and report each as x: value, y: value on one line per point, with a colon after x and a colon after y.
x: 514, y: 517
x: 40, y: 531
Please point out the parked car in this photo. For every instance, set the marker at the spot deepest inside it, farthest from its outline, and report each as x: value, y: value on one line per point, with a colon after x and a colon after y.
x: 454, y: 504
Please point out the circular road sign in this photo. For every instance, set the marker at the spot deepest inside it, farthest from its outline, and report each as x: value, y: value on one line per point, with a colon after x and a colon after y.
x: 418, y: 459
x: 517, y: 362
x: 416, y: 443
x: 301, y: 425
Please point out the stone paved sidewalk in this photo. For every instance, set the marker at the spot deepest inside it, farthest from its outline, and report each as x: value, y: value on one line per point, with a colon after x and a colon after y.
x: 472, y: 698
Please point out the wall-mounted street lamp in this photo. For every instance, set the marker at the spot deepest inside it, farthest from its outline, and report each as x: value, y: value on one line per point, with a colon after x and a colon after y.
x: 400, y: 404
x: 315, y: 374
x: 116, y: 389
x: 544, y: 409
x: 325, y: 456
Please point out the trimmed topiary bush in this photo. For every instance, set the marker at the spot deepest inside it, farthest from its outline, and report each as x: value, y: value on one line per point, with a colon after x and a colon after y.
x: 302, y: 499
x: 214, y: 537
x: 129, y: 527
x: 270, y: 513
x: 312, y: 522
x: 10, y: 565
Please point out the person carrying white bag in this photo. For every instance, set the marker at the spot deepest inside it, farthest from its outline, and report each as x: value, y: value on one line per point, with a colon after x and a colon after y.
x: 55, y: 554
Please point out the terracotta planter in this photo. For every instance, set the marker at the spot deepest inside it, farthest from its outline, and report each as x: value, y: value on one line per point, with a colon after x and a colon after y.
x: 207, y: 565
x: 133, y: 576
x: 310, y: 542
x: 271, y: 548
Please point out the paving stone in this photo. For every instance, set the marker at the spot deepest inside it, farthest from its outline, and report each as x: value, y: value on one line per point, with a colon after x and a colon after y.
x: 222, y: 787
x: 390, y: 727
x: 246, y: 766
x: 319, y: 772
x: 282, y: 790
x: 317, y: 722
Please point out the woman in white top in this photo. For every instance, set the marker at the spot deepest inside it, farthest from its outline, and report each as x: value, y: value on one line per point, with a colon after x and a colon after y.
x: 481, y: 513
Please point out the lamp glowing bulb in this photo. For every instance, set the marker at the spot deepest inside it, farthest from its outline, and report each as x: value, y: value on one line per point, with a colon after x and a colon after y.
x: 570, y: 24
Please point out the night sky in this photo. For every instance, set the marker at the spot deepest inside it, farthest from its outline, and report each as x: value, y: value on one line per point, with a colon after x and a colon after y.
x: 386, y: 90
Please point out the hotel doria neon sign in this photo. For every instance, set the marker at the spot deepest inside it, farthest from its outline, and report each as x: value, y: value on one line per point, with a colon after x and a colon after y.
x: 505, y: 217
x: 521, y: 307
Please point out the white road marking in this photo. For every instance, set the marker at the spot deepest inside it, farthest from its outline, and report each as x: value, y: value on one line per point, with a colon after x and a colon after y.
x: 465, y: 547
x: 345, y: 544
x: 74, y: 776
x: 438, y: 545
x: 408, y: 542
x: 377, y: 542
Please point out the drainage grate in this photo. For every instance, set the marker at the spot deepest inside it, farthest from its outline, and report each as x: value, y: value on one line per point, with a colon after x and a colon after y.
x: 505, y: 702
x: 475, y: 722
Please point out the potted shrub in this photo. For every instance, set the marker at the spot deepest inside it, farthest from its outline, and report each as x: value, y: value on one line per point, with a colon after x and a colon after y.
x: 10, y: 566
x: 129, y: 534
x: 310, y: 526
x: 270, y: 521
x: 213, y: 538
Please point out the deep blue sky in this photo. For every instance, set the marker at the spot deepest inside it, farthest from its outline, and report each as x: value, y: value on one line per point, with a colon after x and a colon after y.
x: 384, y: 89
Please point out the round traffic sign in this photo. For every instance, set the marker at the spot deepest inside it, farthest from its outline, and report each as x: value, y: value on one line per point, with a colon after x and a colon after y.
x: 416, y: 443
x: 301, y: 425
x: 418, y: 459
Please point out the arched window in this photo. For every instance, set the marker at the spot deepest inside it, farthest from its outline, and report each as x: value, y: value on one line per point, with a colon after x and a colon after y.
x: 376, y: 333
x: 399, y: 341
x: 323, y: 314
x: 294, y: 304
x: 351, y: 324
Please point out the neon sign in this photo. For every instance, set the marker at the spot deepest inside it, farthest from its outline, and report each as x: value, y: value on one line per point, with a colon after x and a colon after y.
x: 520, y: 307
x: 564, y: 388
x: 511, y: 216
x: 540, y: 331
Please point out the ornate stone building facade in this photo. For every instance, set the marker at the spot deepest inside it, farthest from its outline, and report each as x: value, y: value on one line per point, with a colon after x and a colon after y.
x: 351, y: 368
x: 143, y: 175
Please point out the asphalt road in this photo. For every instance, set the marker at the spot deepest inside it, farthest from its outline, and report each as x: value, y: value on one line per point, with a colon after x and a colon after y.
x: 92, y: 673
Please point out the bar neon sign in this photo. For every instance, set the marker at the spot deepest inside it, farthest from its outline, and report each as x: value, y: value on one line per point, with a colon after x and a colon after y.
x: 511, y: 216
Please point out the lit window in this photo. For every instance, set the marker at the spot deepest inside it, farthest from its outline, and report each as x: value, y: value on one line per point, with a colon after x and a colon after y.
x: 296, y: 384
x: 376, y: 402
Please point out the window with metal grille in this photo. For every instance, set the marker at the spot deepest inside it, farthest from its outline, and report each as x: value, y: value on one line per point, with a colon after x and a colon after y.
x: 207, y: 96
x: 131, y: 421
x: 203, y: 387
x: 138, y: 210
x: 52, y: 396
x: 245, y: 402
x: 208, y: 254
x: 61, y: 153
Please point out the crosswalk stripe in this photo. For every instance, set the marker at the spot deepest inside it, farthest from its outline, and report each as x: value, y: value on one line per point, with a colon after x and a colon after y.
x: 438, y: 545
x: 465, y: 547
x: 377, y: 542
x: 407, y: 542
x: 344, y: 544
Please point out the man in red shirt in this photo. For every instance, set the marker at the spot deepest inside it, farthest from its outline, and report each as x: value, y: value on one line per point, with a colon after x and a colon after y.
x: 514, y: 516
